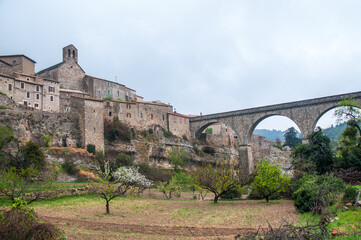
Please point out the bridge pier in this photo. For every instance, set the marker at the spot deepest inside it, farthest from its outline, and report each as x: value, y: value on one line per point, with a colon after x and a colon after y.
x: 246, y: 157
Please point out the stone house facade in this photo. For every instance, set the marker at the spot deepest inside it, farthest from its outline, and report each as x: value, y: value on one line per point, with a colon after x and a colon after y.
x: 91, y: 120
x: 178, y: 124
x: 65, y: 97
x: 141, y: 115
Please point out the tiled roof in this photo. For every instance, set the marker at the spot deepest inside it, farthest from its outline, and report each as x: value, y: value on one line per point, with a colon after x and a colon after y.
x: 49, y: 68
x: 19, y: 55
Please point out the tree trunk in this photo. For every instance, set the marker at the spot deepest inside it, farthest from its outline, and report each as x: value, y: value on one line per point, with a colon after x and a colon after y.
x: 107, y: 207
x: 215, y: 200
x: 267, y: 198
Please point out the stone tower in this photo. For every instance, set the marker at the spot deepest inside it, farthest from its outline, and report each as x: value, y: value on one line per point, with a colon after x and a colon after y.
x: 70, y: 53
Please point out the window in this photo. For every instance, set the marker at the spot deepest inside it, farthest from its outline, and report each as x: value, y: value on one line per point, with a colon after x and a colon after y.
x: 37, y: 88
x: 22, y: 85
x: 36, y: 105
x: 110, y: 114
x: 28, y: 94
x: 10, y: 87
x: 14, y: 62
x: 37, y: 96
x: 73, y: 53
x: 68, y: 52
x: 118, y: 94
x: 151, y: 116
x: 51, y: 98
x: 67, y: 100
x: 25, y: 103
x: 52, y: 89
x: 141, y: 115
x: 163, y: 117
x: 129, y: 106
x: 129, y: 115
x: 108, y: 104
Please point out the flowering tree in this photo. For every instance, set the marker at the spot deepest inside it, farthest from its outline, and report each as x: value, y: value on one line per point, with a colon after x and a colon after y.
x: 124, y: 179
x: 130, y: 178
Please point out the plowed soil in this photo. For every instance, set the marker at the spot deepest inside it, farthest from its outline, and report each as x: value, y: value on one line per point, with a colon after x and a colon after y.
x: 145, y: 218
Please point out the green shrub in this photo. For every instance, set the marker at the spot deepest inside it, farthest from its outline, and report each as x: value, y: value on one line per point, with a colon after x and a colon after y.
x: 70, y: 167
x: 144, y: 133
x: 90, y: 148
x: 2, y: 93
x: 116, y: 130
x: 350, y: 193
x: 32, y: 155
x: 21, y: 222
x: 150, y: 131
x: 167, y: 134
x: 46, y: 140
x: 234, y: 192
x: 185, y: 137
x: 3, y: 107
x: 123, y: 160
x: 108, y: 98
x: 313, y: 193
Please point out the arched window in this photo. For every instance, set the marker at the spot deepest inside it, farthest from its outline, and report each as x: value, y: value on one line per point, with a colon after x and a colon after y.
x: 68, y: 52
x: 151, y: 116
x: 73, y: 53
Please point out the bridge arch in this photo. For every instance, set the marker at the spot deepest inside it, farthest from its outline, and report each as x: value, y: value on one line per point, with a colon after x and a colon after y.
x: 256, y: 123
x: 204, y: 126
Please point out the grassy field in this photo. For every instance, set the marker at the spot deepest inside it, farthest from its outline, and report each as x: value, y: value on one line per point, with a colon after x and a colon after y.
x: 82, y: 217
x: 151, y: 217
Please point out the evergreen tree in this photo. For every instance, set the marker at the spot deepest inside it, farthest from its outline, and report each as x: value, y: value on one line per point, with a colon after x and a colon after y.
x: 291, y: 138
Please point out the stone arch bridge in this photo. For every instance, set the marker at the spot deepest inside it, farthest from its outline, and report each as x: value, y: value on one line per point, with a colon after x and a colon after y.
x: 304, y: 113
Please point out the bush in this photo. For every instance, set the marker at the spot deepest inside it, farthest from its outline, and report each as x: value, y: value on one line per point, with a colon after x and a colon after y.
x: 22, y: 223
x: 185, y: 137
x: 32, y: 155
x: 150, y: 131
x: 46, y: 141
x: 70, y: 167
x: 90, y: 148
x: 350, y: 194
x: 123, y: 160
x: 234, y: 192
x: 167, y: 134
x: 313, y: 193
x: 116, y: 130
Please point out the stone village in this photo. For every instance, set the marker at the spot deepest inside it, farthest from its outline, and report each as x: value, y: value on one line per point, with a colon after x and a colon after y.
x: 71, y: 106
x: 77, y: 103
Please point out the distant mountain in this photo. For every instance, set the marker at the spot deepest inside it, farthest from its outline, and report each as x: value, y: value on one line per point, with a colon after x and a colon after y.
x: 333, y: 132
x: 270, y: 134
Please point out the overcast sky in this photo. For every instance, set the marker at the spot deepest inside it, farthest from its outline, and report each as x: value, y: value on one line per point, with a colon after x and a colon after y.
x: 199, y: 55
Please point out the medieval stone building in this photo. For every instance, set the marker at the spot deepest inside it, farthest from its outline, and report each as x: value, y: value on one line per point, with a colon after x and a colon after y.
x: 65, y: 88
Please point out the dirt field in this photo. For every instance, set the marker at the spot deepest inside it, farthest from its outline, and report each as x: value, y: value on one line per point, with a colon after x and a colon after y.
x: 149, y: 218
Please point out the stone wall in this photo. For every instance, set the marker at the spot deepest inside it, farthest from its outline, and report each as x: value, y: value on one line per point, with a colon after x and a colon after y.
x: 101, y: 88
x: 51, y: 96
x: 141, y: 115
x: 263, y: 148
x: 6, y: 68
x: 178, y: 124
x: 91, y: 121
x: 32, y: 125
x: 7, y: 85
x: 70, y: 75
